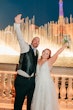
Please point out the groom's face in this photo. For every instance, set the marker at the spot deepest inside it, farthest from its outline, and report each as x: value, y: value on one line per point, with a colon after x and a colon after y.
x: 35, y: 42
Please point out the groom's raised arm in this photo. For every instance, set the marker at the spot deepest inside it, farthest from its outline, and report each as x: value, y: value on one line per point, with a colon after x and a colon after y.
x: 23, y: 45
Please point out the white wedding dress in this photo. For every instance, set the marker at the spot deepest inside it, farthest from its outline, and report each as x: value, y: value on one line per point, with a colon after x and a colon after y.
x: 45, y: 96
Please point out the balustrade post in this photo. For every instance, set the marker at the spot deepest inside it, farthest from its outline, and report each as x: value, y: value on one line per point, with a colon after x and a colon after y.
x: 63, y: 93
x: 70, y: 94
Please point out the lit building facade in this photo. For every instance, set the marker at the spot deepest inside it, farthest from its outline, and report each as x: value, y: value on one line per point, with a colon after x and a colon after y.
x: 51, y: 35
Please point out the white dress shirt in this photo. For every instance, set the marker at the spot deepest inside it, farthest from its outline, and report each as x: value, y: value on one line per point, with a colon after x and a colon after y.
x: 24, y: 47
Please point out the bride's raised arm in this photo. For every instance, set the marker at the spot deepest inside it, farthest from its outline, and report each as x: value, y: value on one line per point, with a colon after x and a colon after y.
x: 54, y: 57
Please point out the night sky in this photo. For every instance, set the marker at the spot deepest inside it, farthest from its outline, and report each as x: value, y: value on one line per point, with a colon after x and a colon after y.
x: 43, y: 10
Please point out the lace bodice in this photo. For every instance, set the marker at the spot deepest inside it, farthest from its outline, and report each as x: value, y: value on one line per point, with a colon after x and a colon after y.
x: 43, y: 71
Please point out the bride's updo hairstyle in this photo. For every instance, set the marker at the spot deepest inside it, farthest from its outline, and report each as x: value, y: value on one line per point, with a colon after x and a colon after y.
x: 48, y: 51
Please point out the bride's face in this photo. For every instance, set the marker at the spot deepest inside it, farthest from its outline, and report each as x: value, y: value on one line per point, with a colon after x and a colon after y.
x: 46, y: 54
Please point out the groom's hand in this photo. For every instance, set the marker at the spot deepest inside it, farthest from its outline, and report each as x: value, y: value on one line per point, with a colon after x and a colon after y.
x: 18, y: 19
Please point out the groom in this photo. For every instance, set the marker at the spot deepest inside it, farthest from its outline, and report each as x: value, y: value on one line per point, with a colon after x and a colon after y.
x: 25, y: 79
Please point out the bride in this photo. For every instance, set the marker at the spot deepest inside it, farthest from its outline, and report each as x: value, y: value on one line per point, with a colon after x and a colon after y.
x: 45, y: 96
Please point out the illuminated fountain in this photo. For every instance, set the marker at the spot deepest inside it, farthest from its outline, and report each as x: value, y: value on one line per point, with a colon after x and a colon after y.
x: 50, y: 37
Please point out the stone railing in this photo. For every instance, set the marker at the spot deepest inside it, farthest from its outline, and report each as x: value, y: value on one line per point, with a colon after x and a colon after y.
x: 63, y: 83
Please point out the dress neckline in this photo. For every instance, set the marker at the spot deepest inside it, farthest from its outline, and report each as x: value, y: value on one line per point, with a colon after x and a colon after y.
x: 42, y: 64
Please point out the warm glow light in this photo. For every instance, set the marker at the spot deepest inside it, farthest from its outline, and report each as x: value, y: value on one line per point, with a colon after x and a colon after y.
x: 66, y: 53
x: 5, y: 50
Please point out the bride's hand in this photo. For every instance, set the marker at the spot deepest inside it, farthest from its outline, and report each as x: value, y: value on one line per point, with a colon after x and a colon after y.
x: 67, y: 41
